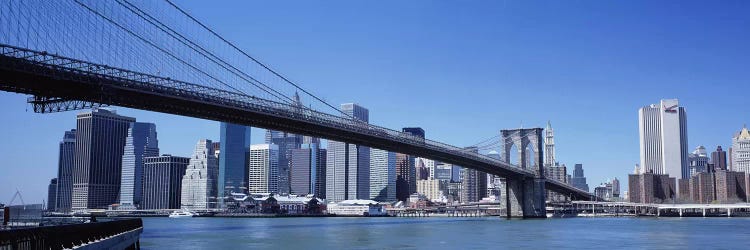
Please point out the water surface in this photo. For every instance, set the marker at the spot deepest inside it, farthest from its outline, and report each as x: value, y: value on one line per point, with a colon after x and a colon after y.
x: 453, y: 233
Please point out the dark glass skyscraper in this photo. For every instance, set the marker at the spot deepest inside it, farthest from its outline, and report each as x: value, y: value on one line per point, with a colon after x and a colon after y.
x: 65, y: 164
x: 99, y: 146
x: 141, y: 142
x: 578, y: 180
x: 162, y: 176
x: 52, y: 195
x: 234, y: 146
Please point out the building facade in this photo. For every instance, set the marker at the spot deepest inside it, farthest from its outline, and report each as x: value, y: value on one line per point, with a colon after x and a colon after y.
x: 348, y: 165
x: 263, y: 168
x: 307, y: 170
x: 99, y: 146
x: 162, y: 181
x: 199, y: 186
x: 405, y: 174
x: 234, y: 148
x: 140, y: 143
x: 549, y: 146
x: 663, y: 139
x: 559, y: 173
x: 578, y: 179
x: 382, y: 175
x: 286, y: 143
x: 719, y: 159
x: 52, y: 194
x: 740, y: 155
x: 413, y: 171
x: 698, y: 161
x: 651, y: 188
x: 65, y: 164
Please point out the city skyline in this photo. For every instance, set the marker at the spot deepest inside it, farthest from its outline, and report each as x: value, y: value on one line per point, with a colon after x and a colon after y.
x: 448, y: 110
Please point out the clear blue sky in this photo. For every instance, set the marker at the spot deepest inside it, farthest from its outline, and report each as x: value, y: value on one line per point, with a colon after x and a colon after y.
x: 463, y: 71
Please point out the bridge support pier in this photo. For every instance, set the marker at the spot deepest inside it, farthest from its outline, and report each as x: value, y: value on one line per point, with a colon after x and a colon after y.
x: 525, y: 198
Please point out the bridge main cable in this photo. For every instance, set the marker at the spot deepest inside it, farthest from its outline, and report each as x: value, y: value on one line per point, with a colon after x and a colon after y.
x: 253, y: 58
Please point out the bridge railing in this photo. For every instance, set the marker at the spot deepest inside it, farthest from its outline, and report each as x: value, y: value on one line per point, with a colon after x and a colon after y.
x: 65, y: 236
x: 79, y: 69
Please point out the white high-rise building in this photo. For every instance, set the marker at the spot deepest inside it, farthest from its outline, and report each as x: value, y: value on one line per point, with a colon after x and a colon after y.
x: 549, y: 146
x: 698, y: 160
x: 199, y: 185
x: 263, y: 168
x: 382, y: 175
x: 348, y: 165
x: 741, y: 151
x: 663, y: 139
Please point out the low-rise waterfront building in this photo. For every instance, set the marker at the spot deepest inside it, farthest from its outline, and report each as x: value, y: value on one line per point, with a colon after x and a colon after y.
x: 356, y: 208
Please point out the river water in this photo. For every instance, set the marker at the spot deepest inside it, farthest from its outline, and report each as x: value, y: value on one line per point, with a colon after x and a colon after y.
x: 445, y: 233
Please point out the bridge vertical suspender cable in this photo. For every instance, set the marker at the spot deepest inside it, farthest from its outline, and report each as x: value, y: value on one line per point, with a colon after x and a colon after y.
x: 143, y: 15
x: 251, y: 57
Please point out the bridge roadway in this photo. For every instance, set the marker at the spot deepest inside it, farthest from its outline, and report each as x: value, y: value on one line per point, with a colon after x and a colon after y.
x: 52, y: 76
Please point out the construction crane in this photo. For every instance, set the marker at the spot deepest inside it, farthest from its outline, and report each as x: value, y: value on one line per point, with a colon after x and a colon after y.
x: 17, y: 195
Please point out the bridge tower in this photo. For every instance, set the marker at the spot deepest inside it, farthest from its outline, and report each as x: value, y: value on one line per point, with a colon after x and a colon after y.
x: 524, y: 196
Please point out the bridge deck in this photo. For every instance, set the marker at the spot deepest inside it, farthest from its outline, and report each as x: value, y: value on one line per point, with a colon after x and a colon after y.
x: 38, y: 73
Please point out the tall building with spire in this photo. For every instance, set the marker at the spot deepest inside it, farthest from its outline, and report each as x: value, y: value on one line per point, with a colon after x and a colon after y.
x: 740, y: 151
x: 553, y: 170
x: 549, y: 146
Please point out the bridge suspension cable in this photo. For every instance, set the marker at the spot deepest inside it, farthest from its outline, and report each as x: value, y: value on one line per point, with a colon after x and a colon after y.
x: 285, y: 79
x: 202, y: 51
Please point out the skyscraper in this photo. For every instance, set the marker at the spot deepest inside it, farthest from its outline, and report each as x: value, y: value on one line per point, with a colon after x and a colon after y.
x: 698, y: 161
x: 286, y: 143
x: 558, y: 173
x: 406, y: 168
x: 473, y: 183
x: 162, y: 181
x: 65, y: 163
x: 263, y: 168
x: 719, y: 159
x: 348, y: 165
x: 382, y: 175
x: 99, y: 146
x: 199, y: 186
x: 307, y: 170
x: 141, y: 142
x: 52, y: 194
x: 579, y: 180
x: 663, y: 139
x: 549, y: 146
x: 234, y: 146
x: 741, y: 151
x: 403, y: 176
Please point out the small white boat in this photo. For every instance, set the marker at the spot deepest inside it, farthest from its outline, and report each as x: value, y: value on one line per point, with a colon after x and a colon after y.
x: 181, y: 214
